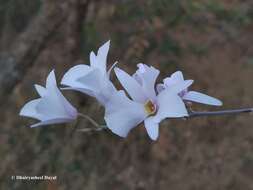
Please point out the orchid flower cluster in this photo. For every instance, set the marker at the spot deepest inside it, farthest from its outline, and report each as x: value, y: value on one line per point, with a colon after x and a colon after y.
x: 146, y: 101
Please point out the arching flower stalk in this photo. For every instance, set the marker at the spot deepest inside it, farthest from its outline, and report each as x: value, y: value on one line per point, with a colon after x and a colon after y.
x: 147, y: 102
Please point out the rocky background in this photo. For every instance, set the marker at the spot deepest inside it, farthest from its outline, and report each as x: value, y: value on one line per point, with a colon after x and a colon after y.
x: 209, y: 40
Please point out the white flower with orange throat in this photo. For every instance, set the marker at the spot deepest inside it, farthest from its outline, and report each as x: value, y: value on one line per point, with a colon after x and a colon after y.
x: 123, y: 114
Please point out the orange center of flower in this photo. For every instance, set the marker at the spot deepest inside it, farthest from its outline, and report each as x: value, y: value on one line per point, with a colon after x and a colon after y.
x: 150, y: 107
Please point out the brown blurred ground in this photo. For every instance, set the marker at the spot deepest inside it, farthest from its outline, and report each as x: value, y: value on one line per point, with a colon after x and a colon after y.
x: 210, y: 41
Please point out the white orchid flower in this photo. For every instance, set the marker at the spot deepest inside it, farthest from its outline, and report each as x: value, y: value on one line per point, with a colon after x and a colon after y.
x: 123, y: 114
x: 185, y: 94
x: 94, y: 79
x: 52, y: 107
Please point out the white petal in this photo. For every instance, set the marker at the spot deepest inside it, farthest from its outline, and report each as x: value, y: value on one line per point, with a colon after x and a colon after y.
x: 51, y: 80
x: 29, y: 110
x: 178, y: 75
x: 173, y: 79
x: 152, y: 128
x: 93, y: 59
x: 92, y: 80
x: 202, y: 98
x: 50, y: 107
x: 132, y: 87
x: 107, y: 89
x: 99, y: 61
x: 168, y: 82
x: 148, y: 76
x: 82, y: 90
x: 71, y: 76
x: 179, y: 87
x: 41, y: 90
x: 170, y: 105
x: 52, y: 121
x: 122, y: 114
x: 54, y: 105
x: 69, y: 109
x: 82, y: 78
x: 103, y: 52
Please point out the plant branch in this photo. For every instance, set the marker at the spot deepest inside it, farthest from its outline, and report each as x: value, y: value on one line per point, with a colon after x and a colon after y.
x: 219, y: 113
x: 191, y: 115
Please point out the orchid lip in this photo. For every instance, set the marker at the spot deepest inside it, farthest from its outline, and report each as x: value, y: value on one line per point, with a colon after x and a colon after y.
x: 150, y: 108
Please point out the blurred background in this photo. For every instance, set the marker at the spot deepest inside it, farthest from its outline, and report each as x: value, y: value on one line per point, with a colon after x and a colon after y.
x: 209, y: 40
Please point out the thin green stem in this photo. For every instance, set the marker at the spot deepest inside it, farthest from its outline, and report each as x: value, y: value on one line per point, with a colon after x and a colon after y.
x: 92, y: 121
x: 97, y: 127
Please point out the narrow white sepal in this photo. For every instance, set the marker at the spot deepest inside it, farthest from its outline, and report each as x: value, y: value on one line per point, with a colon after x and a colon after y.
x: 201, y: 98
